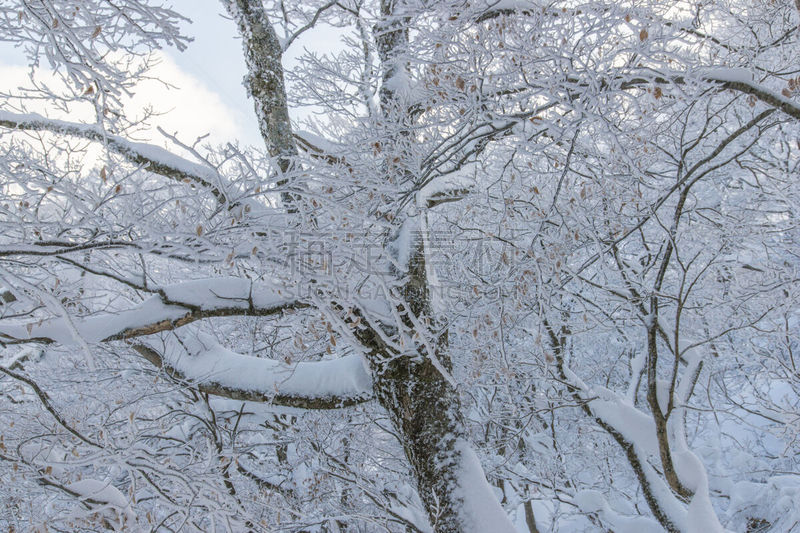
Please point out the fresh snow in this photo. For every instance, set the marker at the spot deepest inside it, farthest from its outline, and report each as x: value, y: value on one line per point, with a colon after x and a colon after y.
x: 104, y: 492
x: 481, y: 512
x: 636, y: 426
x: 592, y: 501
x: 441, y: 185
x: 317, y: 141
x: 511, y: 5
x: 203, y: 360
x: 400, y: 247
x: 207, y: 294
x: 217, y: 293
x: 741, y: 75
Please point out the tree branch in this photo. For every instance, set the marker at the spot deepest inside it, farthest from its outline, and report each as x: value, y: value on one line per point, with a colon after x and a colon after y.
x: 153, y: 158
x: 216, y: 370
x: 738, y: 80
x: 310, y: 24
x: 48, y: 405
x: 172, y: 307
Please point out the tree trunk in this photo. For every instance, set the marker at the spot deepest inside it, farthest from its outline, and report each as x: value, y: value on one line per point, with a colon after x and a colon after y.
x: 425, y: 409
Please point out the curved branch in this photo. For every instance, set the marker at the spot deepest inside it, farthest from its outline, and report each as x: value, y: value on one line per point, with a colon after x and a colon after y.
x: 310, y: 24
x: 172, y: 307
x: 48, y: 405
x: 639, y: 441
x: 153, y: 158
x: 771, y: 98
x: 735, y: 79
x: 664, y: 197
x: 215, y: 370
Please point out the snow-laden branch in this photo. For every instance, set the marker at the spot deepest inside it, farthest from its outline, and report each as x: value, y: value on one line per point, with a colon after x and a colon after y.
x: 447, y: 188
x: 735, y: 79
x: 635, y: 431
x: 741, y: 80
x: 481, y: 511
x: 216, y: 370
x: 320, y: 148
x: 153, y: 158
x: 174, y: 306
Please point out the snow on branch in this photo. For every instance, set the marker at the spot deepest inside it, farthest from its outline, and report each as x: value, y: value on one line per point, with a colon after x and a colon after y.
x: 216, y: 370
x: 172, y: 307
x: 634, y: 431
x: 446, y: 188
x: 103, y: 496
x: 319, y: 148
x: 735, y: 79
x: 506, y: 7
x: 153, y: 158
x: 481, y: 510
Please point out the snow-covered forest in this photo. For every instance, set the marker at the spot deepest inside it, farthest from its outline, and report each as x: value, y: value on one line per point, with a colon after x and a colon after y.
x: 522, y: 266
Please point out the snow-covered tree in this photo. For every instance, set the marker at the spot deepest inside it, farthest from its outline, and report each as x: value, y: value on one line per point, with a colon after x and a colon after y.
x: 527, y: 266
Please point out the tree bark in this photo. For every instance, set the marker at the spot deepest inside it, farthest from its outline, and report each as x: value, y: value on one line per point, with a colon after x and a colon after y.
x: 426, y: 410
x: 265, y: 84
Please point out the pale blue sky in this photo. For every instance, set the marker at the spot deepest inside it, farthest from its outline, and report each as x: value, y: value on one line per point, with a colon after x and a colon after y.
x: 215, y: 58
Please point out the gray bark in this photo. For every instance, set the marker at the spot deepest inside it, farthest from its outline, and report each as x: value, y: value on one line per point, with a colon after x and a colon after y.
x: 265, y: 84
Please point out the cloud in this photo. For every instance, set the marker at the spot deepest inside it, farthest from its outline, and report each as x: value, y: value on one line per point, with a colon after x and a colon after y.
x: 187, y: 106
x: 191, y: 108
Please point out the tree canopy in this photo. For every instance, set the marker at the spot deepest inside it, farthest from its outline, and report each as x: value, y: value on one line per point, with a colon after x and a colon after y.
x: 524, y: 266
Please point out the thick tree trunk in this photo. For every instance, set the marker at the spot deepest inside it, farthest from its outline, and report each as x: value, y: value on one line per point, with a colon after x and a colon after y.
x: 263, y: 54
x: 426, y: 411
x: 265, y: 84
